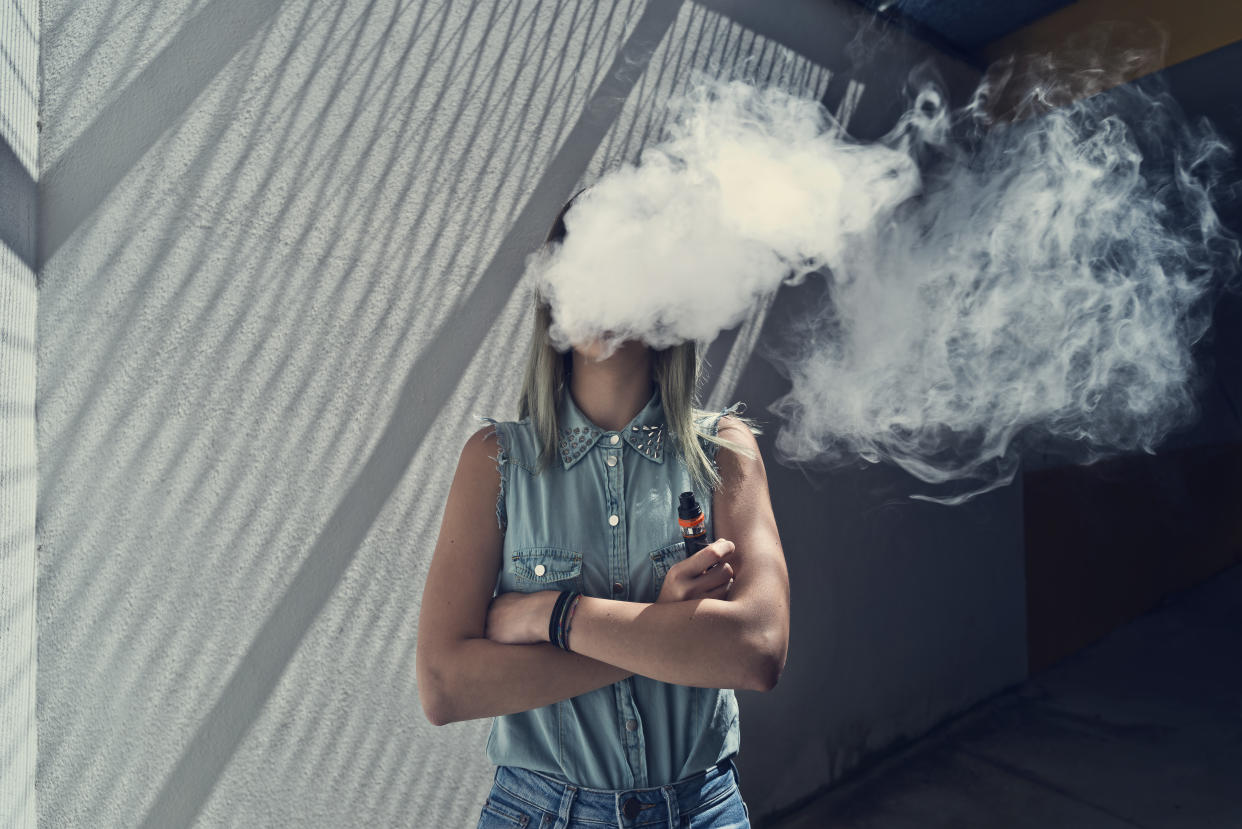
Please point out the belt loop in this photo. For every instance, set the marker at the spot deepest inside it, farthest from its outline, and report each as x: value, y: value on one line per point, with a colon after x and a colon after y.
x: 567, y: 800
x: 674, y: 808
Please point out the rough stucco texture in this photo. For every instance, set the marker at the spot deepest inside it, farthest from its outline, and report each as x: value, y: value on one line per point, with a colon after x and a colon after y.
x: 226, y: 338
x: 19, y: 42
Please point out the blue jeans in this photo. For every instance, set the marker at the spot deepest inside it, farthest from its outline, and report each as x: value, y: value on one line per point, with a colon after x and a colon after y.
x: 525, y: 799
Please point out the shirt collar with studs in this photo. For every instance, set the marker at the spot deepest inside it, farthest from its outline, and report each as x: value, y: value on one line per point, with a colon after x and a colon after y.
x: 645, y: 433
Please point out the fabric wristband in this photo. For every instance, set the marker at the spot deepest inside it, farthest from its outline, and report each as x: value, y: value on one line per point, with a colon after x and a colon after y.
x: 554, y: 619
x: 558, y: 623
x: 569, y: 618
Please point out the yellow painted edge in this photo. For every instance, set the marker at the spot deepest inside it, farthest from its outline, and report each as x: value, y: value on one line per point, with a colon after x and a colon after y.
x: 1194, y: 27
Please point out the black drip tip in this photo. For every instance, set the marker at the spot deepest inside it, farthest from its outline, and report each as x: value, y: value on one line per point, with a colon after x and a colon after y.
x: 688, y: 508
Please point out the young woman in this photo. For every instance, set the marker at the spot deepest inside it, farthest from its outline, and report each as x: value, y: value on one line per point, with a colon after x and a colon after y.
x: 607, y: 657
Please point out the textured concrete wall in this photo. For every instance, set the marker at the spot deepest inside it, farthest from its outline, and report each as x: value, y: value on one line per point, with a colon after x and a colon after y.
x: 281, y: 243
x: 19, y: 143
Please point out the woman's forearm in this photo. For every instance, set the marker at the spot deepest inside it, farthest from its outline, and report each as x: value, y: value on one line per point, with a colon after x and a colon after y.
x: 487, y: 679
x: 709, y: 643
x: 700, y: 642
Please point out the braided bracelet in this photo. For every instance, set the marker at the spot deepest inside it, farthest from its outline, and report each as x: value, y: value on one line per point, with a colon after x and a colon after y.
x: 562, y: 613
x: 562, y: 623
x: 569, y: 618
x: 556, y: 615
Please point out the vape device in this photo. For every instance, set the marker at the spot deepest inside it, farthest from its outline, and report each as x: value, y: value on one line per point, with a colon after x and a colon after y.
x: 691, y: 520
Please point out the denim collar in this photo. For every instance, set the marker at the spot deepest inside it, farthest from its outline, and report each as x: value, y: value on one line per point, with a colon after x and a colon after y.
x: 645, y: 433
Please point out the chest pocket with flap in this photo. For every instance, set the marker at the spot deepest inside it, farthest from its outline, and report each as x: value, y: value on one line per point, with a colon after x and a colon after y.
x: 546, y: 568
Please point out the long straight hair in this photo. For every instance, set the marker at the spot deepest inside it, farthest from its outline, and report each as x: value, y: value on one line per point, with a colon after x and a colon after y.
x: 677, y: 372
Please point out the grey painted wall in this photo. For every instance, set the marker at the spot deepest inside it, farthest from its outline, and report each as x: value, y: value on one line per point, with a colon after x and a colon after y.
x: 19, y: 146
x: 279, y: 249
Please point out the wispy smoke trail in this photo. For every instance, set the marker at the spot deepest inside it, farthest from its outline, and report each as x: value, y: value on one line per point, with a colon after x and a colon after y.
x: 987, y: 285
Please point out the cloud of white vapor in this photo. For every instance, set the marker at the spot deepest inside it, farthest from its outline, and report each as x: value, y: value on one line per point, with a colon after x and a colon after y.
x: 987, y: 285
x: 751, y: 186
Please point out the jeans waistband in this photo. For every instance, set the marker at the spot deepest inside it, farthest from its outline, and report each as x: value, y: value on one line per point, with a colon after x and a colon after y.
x: 619, y: 807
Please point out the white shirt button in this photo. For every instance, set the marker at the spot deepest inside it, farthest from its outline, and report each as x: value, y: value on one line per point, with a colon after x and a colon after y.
x: 631, y: 725
x: 614, y: 520
x: 614, y: 440
x: 612, y: 460
x: 540, y: 569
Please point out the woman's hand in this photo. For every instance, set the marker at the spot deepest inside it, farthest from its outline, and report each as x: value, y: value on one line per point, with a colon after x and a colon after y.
x: 704, y: 575
x: 517, y: 618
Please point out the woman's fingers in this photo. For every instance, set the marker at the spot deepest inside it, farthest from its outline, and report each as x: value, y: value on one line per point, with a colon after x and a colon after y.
x: 723, y: 572
x: 708, y: 557
x: 714, y: 583
x: 718, y: 575
x: 708, y: 586
x: 702, y: 574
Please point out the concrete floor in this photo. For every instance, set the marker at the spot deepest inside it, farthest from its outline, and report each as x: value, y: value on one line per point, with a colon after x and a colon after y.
x: 1141, y: 729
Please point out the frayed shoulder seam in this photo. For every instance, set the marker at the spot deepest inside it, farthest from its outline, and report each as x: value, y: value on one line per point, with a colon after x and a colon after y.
x: 711, y: 424
x: 502, y: 460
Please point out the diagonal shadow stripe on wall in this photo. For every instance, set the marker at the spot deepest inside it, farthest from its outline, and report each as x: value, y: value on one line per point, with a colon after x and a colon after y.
x: 17, y: 214
x: 75, y: 184
x: 428, y: 384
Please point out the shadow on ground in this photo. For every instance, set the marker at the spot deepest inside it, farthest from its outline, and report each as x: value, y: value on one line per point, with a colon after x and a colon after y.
x: 1141, y: 729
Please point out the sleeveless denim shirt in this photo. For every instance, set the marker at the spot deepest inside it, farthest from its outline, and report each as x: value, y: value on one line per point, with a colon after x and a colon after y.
x: 603, y: 520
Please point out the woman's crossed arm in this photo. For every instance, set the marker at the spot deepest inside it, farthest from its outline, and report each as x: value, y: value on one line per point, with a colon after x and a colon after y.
x: 736, y: 642
x: 468, y: 666
x: 461, y: 674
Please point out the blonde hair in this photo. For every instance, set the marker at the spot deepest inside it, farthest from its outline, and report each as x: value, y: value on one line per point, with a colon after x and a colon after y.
x: 677, y: 372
